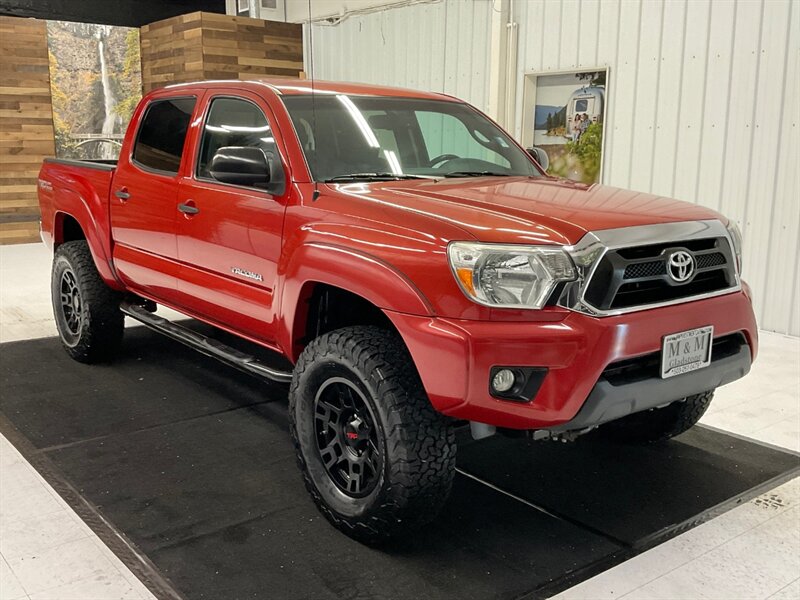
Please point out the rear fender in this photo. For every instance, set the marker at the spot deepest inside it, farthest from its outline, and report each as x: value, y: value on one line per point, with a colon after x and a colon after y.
x: 77, y: 198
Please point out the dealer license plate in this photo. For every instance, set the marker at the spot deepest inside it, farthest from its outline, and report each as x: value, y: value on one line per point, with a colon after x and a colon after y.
x: 686, y: 351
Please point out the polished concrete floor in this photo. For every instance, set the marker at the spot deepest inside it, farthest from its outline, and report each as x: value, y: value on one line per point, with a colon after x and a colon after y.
x: 752, y: 551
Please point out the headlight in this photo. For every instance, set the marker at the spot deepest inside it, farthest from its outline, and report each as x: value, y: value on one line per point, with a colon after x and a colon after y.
x: 736, y: 239
x: 509, y: 276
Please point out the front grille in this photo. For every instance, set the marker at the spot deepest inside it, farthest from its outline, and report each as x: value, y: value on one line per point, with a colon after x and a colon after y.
x: 638, y: 276
x: 710, y: 260
x: 645, y: 269
x: 653, y: 268
x: 649, y: 365
x: 656, y: 250
x: 652, y: 291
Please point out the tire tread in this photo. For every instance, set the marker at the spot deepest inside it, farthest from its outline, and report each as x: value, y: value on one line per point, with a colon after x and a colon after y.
x: 421, y: 440
x: 104, y: 324
x: 659, y: 424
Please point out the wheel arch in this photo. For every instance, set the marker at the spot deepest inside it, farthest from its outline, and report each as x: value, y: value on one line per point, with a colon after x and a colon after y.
x: 368, y: 284
x: 78, y: 224
x: 66, y: 228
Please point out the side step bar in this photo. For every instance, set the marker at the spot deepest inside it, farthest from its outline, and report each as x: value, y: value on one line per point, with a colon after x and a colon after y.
x: 205, y: 345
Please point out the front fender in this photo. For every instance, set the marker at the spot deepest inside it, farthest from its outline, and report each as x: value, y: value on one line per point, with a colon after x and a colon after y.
x: 352, y: 270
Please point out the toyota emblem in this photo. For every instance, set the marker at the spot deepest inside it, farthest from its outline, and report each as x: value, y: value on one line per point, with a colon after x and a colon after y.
x: 680, y: 266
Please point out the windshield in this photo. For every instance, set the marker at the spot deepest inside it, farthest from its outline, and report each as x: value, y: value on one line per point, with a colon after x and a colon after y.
x: 377, y: 137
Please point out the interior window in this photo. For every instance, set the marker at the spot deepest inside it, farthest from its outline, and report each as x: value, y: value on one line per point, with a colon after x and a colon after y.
x: 234, y: 122
x: 445, y: 134
x: 384, y: 128
x: 397, y: 132
x: 159, y: 144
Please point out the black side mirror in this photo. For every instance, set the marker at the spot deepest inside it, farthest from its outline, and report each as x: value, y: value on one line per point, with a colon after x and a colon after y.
x: 540, y: 156
x: 241, y: 165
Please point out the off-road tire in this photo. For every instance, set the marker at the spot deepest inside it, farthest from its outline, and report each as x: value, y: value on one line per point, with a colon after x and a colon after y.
x: 659, y: 424
x: 418, y: 444
x: 96, y: 334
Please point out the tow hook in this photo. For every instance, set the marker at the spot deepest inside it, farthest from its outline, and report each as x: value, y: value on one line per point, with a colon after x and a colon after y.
x: 480, y: 431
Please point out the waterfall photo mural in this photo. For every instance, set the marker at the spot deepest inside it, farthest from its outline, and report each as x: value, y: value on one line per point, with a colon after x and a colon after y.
x: 96, y: 82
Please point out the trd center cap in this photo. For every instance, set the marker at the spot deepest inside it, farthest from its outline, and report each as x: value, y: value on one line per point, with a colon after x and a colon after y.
x: 355, y: 431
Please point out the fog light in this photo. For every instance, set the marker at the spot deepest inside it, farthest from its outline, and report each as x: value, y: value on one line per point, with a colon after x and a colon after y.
x: 518, y: 384
x: 503, y: 380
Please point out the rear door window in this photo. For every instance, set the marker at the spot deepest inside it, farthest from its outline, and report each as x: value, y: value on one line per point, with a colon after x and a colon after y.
x: 162, y: 134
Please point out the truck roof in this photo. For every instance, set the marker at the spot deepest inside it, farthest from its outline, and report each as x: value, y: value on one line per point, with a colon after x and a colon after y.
x: 290, y: 87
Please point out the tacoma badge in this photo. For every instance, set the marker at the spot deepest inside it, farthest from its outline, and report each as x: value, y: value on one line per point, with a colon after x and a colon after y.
x: 246, y: 273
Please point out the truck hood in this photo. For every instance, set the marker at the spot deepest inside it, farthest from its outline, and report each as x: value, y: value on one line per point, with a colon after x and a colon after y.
x: 524, y: 210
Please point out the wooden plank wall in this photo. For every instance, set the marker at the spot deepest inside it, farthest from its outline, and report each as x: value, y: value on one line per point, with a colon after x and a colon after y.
x: 210, y: 46
x: 172, y: 51
x: 191, y: 47
x: 26, y: 125
x: 244, y: 48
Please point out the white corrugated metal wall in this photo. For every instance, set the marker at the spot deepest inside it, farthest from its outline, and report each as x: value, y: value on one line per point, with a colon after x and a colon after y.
x: 703, y: 99
x: 442, y: 47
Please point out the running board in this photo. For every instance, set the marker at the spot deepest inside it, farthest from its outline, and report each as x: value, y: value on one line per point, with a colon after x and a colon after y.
x: 205, y: 345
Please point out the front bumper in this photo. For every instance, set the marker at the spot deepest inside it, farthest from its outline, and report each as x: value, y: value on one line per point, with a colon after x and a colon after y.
x: 608, y: 402
x: 454, y: 358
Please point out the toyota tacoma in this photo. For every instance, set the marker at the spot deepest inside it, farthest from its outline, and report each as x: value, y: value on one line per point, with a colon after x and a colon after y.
x: 414, y: 268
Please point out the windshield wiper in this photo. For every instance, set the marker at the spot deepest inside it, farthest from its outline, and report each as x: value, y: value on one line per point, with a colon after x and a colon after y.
x: 372, y: 177
x: 475, y: 174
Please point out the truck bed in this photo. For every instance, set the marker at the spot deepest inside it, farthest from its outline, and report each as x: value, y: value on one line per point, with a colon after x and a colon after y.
x: 100, y: 164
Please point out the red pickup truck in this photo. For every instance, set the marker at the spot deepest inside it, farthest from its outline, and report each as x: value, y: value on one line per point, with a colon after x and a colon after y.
x: 415, y: 268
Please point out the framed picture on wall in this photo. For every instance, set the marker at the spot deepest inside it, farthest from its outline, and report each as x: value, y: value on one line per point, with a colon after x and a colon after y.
x: 564, y: 114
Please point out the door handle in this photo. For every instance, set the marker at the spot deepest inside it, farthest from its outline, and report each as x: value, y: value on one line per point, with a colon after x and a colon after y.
x: 122, y: 194
x: 188, y: 208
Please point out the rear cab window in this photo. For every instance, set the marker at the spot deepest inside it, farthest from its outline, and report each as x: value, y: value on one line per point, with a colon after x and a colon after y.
x: 162, y: 134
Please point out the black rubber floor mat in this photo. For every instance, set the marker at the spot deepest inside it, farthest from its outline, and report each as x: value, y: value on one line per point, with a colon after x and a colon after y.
x: 629, y: 493
x: 191, y: 461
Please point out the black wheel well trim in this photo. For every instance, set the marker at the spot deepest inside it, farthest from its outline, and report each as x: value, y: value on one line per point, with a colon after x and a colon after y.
x: 315, y: 292
x: 70, y: 229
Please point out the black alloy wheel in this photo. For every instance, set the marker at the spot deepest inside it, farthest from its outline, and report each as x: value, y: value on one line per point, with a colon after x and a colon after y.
x: 86, y: 310
x: 348, y: 438
x: 376, y: 457
x: 71, y: 306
